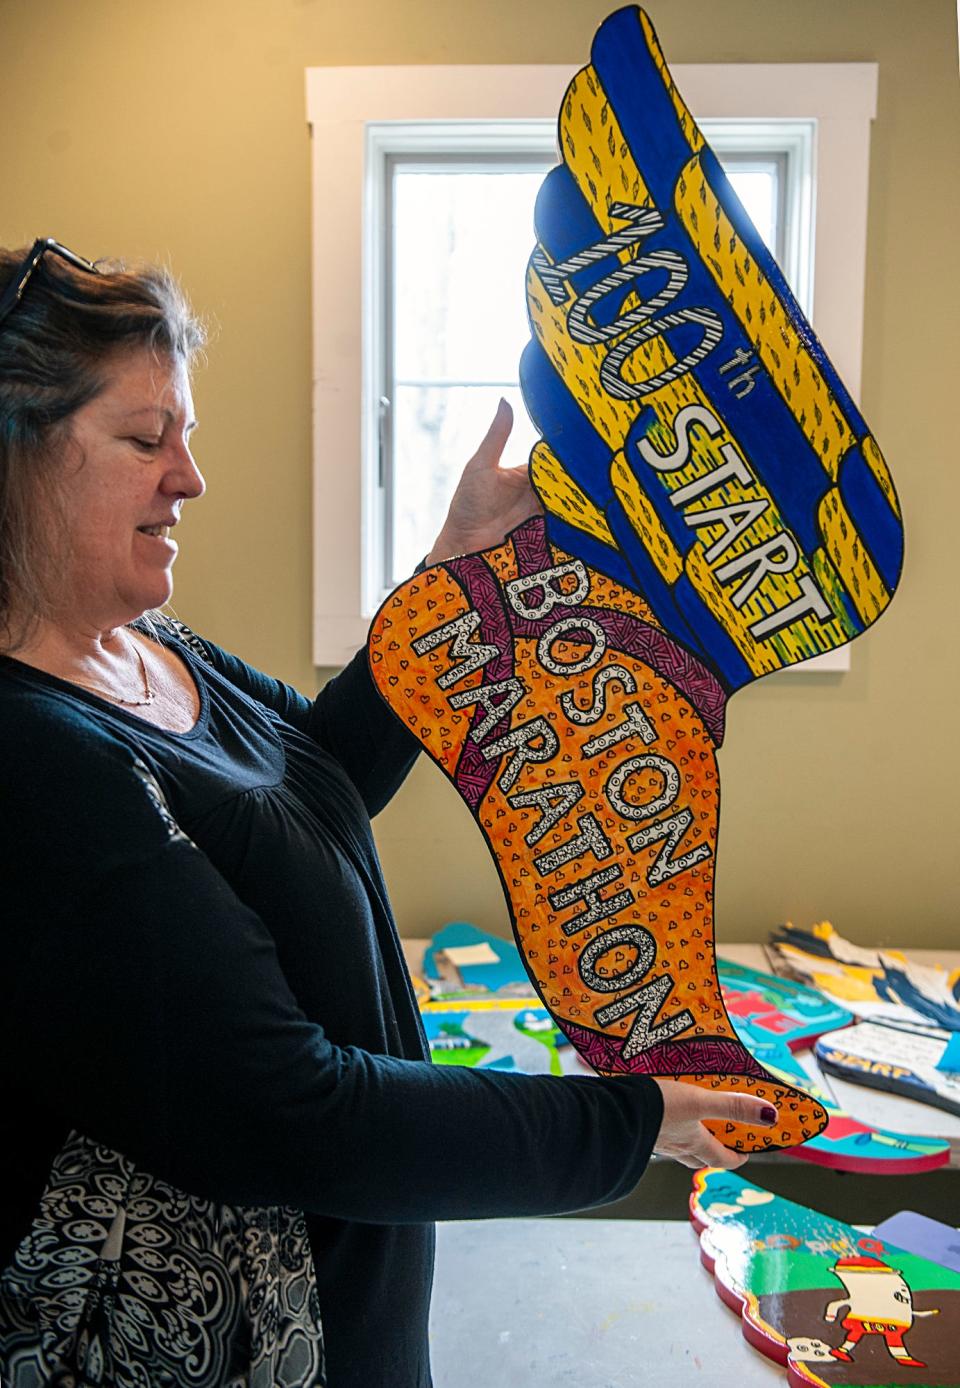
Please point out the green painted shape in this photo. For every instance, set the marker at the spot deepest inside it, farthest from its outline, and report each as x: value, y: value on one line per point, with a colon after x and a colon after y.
x: 548, y: 1038
x: 468, y: 1055
x: 778, y: 1267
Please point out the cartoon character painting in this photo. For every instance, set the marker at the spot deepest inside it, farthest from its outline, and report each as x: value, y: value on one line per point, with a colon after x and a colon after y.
x: 715, y: 509
x: 778, y: 1264
x: 877, y: 1301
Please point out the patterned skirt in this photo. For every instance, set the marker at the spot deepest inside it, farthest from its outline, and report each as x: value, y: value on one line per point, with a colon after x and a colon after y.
x: 124, y: 1281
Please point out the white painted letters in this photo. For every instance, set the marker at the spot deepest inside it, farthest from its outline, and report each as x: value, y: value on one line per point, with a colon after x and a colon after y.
x: 549, y: 581
x: 473, y: 653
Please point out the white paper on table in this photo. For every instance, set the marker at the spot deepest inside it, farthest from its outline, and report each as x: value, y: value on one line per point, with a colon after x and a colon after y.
x: 471, y: 954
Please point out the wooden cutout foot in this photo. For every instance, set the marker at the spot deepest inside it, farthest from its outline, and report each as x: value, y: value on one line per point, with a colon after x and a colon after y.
x: 901, y: 1060
x: 716, y: 509
x: 583, y: 740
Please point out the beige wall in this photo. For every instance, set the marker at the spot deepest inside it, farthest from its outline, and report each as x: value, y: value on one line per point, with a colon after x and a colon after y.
x: 177, y: 130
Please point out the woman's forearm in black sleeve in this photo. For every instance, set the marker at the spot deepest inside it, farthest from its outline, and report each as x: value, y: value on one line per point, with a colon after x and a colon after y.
x: 159, y: 1023
x: 145, y: 1005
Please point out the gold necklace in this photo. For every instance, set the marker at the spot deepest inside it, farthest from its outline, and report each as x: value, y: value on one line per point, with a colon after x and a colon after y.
x: 149, y: 693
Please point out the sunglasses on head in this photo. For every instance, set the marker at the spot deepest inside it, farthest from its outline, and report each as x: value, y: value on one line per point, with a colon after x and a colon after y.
x: 44, y: 245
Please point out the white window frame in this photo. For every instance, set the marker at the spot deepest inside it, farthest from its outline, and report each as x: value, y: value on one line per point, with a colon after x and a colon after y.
x: 345, y: 104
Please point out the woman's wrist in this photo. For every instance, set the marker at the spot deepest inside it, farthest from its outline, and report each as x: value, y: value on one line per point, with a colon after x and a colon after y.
x: 446, y: 546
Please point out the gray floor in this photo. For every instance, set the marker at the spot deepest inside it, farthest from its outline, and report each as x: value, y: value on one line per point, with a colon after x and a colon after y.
x: 554, y: 1303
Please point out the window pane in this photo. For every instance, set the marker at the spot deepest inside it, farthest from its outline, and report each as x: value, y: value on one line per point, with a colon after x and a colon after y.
x: 461, y: 245
x: 461, y: 241
x: 758, y: 190
x: 437, y: 428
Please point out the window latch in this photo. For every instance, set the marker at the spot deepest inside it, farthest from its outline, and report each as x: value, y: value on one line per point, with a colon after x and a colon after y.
x: 383, y: 425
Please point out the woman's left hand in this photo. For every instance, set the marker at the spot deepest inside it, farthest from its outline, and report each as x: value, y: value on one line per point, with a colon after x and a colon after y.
x: 490, y: 500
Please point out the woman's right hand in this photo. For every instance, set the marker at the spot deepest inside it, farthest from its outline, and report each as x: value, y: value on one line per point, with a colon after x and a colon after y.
x: 490, y: 500
x: 685, y: 1108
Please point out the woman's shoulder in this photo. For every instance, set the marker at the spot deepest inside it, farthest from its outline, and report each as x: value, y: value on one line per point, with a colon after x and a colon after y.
x: 43, y: 727
x: 40, y: 714
x: 81, y: 791
x: 37, y: 705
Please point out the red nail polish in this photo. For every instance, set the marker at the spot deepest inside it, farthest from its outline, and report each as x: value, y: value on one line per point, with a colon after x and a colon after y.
x: 768, y: 1114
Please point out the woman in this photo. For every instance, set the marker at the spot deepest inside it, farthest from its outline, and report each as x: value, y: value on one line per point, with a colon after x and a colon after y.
x: 228, y: 1143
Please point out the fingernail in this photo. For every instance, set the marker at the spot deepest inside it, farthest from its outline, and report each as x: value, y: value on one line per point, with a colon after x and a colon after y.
x: 768, y: 1114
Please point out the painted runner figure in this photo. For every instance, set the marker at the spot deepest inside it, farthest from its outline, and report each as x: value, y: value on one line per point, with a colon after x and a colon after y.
x: 878, y: 1302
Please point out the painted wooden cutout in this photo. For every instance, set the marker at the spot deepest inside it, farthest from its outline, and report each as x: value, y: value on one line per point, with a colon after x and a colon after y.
x: 950, y: 1060
x: 715, y: 509
x: 772, y: 1035
x: 778, y: 1007
x: 463, y: 961
x: 481, y: 1010
x: 833, y: 1305
x: 900, y: 1060
x: 507, y: 1034
x: 876, y: 984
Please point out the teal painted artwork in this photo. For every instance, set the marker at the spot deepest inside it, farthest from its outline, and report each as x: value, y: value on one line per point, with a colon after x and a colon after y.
x: 482, y: 1010
x: 778, y: 1007
x: 481, y: 963
x: 833, y: 1305
x: 772, y: 1036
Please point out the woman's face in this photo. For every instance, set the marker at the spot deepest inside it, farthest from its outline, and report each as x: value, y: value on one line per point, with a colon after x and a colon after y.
x: 126, y: 473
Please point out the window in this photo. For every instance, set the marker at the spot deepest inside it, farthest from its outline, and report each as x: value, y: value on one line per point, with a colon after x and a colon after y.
x: 441, y: 357
x: 446, y: 357
x: 419, y: 159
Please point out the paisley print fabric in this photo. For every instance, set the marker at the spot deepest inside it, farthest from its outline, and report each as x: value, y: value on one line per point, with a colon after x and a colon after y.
x: 187, y: 635
x: 125, y: 1282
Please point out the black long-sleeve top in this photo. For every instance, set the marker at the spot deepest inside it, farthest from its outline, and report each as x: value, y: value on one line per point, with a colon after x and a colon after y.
x: 210, y: 982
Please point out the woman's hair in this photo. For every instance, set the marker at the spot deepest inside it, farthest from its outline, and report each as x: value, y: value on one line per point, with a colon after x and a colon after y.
x: 56, y: 347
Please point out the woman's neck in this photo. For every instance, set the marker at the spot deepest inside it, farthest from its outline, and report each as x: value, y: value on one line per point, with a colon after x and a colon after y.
x: 72, y: 650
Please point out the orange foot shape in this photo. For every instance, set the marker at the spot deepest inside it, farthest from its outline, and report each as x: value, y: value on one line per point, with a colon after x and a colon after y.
x: 583, y: 739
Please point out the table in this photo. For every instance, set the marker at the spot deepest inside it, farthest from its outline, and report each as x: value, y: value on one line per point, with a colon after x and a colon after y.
x: 611, y: 1303
x: 873, y: 1105
x: 663, y: 1192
